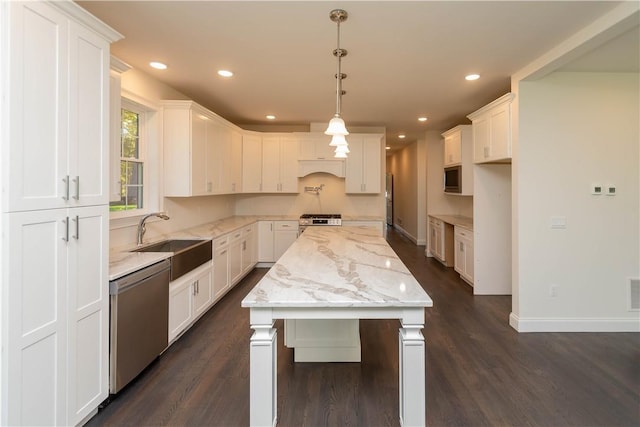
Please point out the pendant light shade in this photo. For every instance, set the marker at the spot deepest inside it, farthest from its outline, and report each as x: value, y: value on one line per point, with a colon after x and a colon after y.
x: 338, y: 140
x: 342, y: 149
x: 336, y: 127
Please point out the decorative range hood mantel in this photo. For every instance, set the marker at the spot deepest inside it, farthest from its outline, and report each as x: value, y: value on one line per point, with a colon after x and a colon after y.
x: 333, y: 167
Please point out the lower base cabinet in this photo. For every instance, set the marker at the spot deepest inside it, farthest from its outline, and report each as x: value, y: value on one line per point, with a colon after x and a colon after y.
x: 189, y: 297
x: 463, y: 241
x: 274, y: 239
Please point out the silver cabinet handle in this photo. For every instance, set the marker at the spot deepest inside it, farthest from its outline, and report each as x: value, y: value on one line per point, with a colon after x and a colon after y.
x: 66, y: 232
x: 66, y: 185
x: 194, y: 288
x: 77, y: 221
x: 77, y: 181
x: 223, y: 252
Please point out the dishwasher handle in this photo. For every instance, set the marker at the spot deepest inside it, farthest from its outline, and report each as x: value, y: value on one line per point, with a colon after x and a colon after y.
x: 122, y: 284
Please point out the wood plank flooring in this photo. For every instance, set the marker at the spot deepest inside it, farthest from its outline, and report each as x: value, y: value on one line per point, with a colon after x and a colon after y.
x: 480, y: 372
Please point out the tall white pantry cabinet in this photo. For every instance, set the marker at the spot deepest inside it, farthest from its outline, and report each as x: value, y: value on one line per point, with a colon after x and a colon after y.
x: 54, y: 76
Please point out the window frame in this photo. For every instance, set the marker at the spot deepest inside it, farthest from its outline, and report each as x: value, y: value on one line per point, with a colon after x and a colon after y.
x: 150, y: 155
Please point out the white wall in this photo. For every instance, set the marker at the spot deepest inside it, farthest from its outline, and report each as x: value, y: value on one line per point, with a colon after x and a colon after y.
x: 575, y: 130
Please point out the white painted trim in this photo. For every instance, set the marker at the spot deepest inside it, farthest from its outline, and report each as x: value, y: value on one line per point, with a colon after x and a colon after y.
x: 573, y: 324
x: 405, y: 233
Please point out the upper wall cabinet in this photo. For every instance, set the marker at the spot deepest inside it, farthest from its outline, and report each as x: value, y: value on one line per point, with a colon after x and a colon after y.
x: 458, y: 152
x: 202, y: 153
x: 57, y: 111
x: 492, y: 131
x: 363, y: 168
x: 279, y: 164
x: 251, y: 163
x: 316, y: 155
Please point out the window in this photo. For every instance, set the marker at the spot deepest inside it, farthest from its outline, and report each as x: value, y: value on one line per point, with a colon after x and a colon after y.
x: 132, y: 167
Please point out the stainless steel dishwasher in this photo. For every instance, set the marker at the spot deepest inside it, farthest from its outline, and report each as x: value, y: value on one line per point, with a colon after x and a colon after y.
x: 139, y: 322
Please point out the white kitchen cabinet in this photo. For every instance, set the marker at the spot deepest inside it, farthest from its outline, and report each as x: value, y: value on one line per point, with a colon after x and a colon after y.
x: 220, y: 266
x: 235, y: 256
x: 249, y: 251
x: 251, y: 163
x: 55, y: 201
x: 279, y: 164
x: 185, y: 142
x: 458, y: 151
x: 58, y: 307
x: 58, y: 116
x: 223, y: 158
x: 189, y: 297
x: 452, y: 147
x: 274, y: 238
x: 232, y: 166
x: 441, y: 241
x: 492, y: 131
x: 363, y: 164
x: 314, y: 146
x: 463, y: 241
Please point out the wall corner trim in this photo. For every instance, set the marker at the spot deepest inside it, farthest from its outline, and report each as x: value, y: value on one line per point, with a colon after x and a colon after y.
x: 584, y: 324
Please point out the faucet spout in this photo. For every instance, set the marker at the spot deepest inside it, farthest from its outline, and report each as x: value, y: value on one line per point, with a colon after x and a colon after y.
x: 142, y: 227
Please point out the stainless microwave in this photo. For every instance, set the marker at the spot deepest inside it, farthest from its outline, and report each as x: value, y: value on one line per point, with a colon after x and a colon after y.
x: 453, y: 179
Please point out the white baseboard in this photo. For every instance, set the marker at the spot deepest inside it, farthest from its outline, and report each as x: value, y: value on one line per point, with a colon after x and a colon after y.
x: 541, y: 324
x: 406, y: 233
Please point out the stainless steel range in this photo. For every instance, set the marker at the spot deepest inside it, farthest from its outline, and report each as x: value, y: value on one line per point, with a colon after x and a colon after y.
x: 318, y: 219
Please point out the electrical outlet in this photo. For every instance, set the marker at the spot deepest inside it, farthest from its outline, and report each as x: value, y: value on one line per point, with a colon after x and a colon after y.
x: 596, y: 189
x: 611, y: 190
x: 553, y: 291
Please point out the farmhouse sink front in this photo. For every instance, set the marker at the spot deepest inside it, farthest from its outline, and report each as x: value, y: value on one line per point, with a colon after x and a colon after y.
x: 187, y: 254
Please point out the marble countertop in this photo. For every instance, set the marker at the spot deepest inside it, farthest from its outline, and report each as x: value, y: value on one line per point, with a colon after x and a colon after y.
x: 331, y: 266
x: 123, y: 262
x: 457, y: 220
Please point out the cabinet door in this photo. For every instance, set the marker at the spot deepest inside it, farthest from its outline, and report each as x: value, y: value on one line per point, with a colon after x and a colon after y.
x: 270, y: 164
x: 282, y: 240
x: 251, y: 164
x: 88, y: 117
x: 220, y: 272
x: 37, y: 155
x: 88, y: 358
x: 235, y: 170
x: 235, y: 258
x: 371, y: 165
x: 180, y: 306
x: 499, y: 123
x: 248, y: 250
x: 452, y: 149
x: 35, y: 311
x: 199, y: 155
x: 202, y: 291
x: 265, y: 241
x: 288, y: 165
x: 354, y: 169
x: 432, y: 238
x: 216, y: 151
x: 468, y: 260
x: 481, y: 138
x: 459, y: 256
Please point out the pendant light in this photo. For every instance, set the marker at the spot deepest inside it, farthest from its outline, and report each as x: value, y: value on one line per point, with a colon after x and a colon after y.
x: 337, y: 128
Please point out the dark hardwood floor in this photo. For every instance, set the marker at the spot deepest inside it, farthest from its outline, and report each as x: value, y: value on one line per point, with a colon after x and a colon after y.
x: 479, y: 370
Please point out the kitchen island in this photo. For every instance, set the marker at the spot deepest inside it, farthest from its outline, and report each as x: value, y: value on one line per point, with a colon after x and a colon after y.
x: 337, y: 273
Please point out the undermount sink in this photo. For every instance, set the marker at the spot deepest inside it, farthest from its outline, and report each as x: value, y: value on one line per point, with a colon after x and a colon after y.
x: 187, y: 254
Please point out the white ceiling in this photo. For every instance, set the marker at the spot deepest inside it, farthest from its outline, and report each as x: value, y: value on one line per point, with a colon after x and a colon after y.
x: 405, y: 59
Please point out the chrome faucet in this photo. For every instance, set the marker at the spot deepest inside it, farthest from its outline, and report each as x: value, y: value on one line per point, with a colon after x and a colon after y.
x: 142, y: 228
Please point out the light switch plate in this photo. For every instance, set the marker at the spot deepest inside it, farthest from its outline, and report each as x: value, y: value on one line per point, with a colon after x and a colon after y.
x: 558, y: 222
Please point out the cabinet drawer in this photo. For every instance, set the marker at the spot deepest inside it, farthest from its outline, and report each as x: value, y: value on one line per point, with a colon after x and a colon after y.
x: 235, y: 235
x: 247, y: 230
x: 463, y: 233
x: 285, y: 225
x: 221, y: 242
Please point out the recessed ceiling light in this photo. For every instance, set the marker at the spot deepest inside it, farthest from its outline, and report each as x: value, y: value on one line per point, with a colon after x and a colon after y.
x: 472, y: 77
x: 402, y: 136
x: 225, y: 73
x: 270, y: 117
x: 387, y: 148
x: 158, y: 65
x: 422, y: 119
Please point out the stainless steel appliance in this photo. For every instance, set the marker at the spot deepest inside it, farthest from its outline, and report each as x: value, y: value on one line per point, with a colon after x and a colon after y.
x: 318, y: 219
x: 139, y: 322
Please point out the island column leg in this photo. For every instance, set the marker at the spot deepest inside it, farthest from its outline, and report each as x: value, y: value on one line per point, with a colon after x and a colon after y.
x: 263, y: 393
x: 412, y: 375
